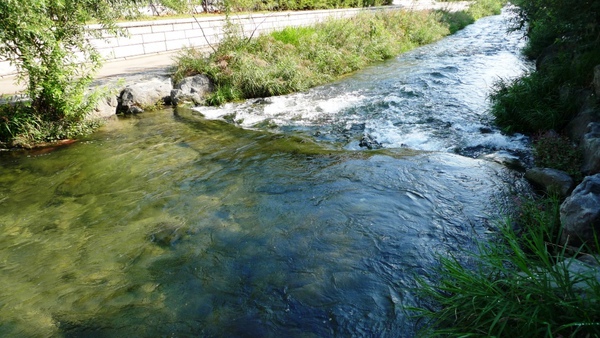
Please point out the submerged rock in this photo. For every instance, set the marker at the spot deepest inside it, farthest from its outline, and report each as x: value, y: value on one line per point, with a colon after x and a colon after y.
x: 580, y: 213
x: 505, y: 158
x: 369, y: 142
x: 167, y: 233
x: 551, y: 180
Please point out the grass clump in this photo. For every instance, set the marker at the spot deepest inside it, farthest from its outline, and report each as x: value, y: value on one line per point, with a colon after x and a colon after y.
x: 21, y: 126
x: 551, y: 150
x: 522, y: 285
x: 298, y: 58
x: 530, y: 104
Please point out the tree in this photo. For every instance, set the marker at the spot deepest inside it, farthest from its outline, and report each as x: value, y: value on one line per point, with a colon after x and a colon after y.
x: 48, y: 42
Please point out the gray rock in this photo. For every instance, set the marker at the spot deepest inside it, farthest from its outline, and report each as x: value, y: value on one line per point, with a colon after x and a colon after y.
x: 590, y: 146
x: 582, y: 276
x: 106, y: 108
x: 569, y: 274
x: 597, y: 80
x: 505, y: 158
x: 580, y: 213
x: 547, y: 57
x: 167, y: 233
x: 145, y: 94
x: 135, y: 110
x: 191, y: 89
x: 593, y: 260
x: 578, y: 126
x: 551, y: 180
x: 370, y: 142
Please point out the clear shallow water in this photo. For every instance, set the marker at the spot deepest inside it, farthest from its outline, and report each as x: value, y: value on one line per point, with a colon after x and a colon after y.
x: 172, y: 224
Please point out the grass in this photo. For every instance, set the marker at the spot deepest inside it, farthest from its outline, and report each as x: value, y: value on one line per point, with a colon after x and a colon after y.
x: 558, y: 152
x: 529, y: 104
x: 298, y: 58
x: 21, y: 127
x: 521, y: 285
x: 563, y: 37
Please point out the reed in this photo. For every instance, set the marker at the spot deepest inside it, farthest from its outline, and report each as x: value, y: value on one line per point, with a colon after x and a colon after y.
x: 297, y: 58
x: 520, y: 285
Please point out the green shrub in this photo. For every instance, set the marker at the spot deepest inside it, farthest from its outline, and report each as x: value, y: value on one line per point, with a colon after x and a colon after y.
x: 21, y: 127
x: 482, y: 8
x: 285, y: 5
x: 456, y: 20
x: 562, y: 34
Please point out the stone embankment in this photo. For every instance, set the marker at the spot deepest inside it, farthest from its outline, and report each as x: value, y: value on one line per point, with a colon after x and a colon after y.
x: 580, y: 211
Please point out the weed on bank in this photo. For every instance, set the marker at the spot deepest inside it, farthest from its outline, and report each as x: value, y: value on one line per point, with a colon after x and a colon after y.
x: 298, y: 58
x: 523, y: 284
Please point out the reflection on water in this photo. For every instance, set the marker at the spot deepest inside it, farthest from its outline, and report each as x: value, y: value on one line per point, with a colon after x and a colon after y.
x: 173, y: 225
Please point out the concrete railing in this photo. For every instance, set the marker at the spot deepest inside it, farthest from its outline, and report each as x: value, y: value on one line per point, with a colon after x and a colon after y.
x: 163, y: 36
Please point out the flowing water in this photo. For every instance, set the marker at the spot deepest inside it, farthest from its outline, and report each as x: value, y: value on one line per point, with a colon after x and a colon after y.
x: 266, y: 218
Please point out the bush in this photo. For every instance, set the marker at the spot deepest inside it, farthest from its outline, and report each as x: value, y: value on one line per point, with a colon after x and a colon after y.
x: 21, y: 127
x: 48, y: 43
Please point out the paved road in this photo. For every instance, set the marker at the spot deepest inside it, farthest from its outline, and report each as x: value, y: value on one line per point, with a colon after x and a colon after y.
x: 122, y: 67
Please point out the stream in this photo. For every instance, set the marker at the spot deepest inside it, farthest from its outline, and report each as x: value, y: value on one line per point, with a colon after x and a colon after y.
x: 267, y: 218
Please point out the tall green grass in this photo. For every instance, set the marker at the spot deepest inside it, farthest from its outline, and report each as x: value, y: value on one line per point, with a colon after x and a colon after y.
x: 298, y: 58
x: 22, y: 127
x: 520, y: 285
x: 530, y: 104
x: 563, y: 36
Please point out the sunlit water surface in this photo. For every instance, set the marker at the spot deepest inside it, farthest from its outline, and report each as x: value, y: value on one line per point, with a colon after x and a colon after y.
x: 274, y: 224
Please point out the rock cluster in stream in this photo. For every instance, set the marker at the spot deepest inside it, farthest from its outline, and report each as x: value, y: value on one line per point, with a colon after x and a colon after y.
x: 155, y: 91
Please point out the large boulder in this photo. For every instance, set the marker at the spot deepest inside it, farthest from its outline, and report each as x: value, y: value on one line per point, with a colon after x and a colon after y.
x: 597, y: 80
x: 578, y: 126
x: 590, y: 146
x: 580, y: 213
x: 191, y: 89
x: 105, y: 108
x: 142, y: 95
x: 551, y: 180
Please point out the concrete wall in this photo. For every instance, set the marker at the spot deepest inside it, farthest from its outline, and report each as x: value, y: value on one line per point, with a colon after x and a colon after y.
x: 162, y: 36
